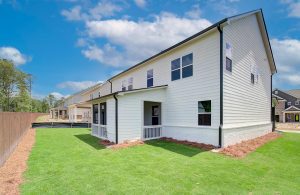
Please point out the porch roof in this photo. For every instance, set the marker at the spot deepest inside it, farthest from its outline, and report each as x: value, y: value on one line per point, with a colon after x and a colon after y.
x: 291, y: 109
x: 128, y: 91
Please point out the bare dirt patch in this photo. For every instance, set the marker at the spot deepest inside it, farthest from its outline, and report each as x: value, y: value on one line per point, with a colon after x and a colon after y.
x: 127, y: 144
x: 11, y: 172
x: 242, y: 149
x: 188, y: 143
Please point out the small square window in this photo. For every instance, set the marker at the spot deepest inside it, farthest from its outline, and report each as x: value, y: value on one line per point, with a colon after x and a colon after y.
x: 175, y: 64
x: 150, y: 82
x: 297, y: 103
x: 187, y: 71
x: 187, y: 60
x: 175, y: 74
x: 228, y: 64
x: 289, y: 103
x: 252, y: 78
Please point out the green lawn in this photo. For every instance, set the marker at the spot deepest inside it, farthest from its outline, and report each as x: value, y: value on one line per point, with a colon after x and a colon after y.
x: 70, y: 161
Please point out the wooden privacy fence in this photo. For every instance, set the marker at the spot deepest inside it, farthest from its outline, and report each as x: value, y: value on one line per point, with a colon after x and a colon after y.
x: 13, y: 125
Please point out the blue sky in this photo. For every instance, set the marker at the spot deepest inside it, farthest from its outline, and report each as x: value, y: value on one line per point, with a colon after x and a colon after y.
x: 71, y: 44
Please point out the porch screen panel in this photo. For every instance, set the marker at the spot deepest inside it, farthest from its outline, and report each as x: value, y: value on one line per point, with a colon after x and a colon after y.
x: 95, y: 114
x: 103, y: 113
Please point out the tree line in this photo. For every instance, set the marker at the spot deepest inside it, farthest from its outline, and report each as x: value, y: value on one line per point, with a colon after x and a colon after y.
x: 15, y: 91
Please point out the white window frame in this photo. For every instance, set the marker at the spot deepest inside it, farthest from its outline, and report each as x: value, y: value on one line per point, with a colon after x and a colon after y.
x: 204, y: 112
x: 276, y: 92
x: 176, y: 69
x: 182, y: 67
x: 150, y: 77
x: 289, y: 103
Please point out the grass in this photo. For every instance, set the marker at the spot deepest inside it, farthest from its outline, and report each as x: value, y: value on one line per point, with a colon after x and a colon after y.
x: 70, y: 161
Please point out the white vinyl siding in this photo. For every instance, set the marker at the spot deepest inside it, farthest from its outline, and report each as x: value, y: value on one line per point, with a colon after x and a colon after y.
x: 246, y: 103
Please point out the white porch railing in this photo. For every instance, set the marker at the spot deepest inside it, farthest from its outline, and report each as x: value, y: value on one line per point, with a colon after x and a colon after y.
x: 152, y: 132
x: 99, y: 131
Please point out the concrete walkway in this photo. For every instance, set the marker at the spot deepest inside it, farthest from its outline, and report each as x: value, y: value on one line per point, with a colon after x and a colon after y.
x: 289, y: 131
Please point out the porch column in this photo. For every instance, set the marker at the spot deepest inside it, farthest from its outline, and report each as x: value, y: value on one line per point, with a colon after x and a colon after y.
x: 283, y: 117
x: 75, y: 114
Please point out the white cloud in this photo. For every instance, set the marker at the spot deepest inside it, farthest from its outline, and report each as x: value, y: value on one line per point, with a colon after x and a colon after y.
x: 13, y: 54
x: 293, y: 7
x: 76, y: 85
x: 225, y: 7
x: 287, y: 58
x: 140, y: 3
x: 74, y: 14
x: 132, y: 41
x: 195, y: 12
x: 58, y: 95
x: 102, y: 9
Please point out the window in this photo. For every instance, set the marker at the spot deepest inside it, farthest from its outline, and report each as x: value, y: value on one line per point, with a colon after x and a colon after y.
x: 175, y: 69
x: 289, y: 103
x: 204, y: 113
x: 99, y: 94
x: 103, y: 113
x: 228, y: 64
x: 297, y: 102
x: 130, y: 83
x: 252, y: 78
x: 95, y: 113
x: 187, y: 65
x: 124, y: 85
x: 150, y: 78
x: 155, y: 115
x: 276, y: 92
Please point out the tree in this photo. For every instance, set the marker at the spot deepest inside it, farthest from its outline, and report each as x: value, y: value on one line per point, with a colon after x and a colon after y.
x: 14, y: 88
x: 51, y: 100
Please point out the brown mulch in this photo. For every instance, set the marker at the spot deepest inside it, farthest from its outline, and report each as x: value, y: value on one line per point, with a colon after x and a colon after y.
x: 106, y: 143
x: 11, y: 172
x: 242, y: 149
x: 127, y: 144
x: 188, y: 143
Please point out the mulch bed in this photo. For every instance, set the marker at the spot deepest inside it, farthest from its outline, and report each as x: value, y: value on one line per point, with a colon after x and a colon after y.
x: 106, y: 143
x: 127, y: 144
x: 11, y: 172
x: 188, y: 143
x: 242, y: 149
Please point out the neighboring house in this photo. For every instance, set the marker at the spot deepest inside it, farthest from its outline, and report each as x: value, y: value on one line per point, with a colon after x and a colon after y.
x: 288, y: 107
x: 75, y: 107
x: 213, y: 87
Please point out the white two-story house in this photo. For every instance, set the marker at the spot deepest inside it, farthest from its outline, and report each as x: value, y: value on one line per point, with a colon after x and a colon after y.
x: 213, y: 87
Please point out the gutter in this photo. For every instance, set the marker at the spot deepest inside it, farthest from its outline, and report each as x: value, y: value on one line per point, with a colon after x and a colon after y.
x: 221, y: 86
x: 116, y: 117
x: 272, y: 110
x: 110, y: 85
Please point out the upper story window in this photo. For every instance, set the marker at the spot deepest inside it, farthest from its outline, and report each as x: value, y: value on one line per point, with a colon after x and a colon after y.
x: 150, y: 78
x: 204, y: 113
x: 297, y: 102
x: 175, y: 69
x: 276, y: 92
x: 124, y: 85
x: 130, y: 83
x: 289, y: 103
x: 187, y: 65
x: 99, y: 94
